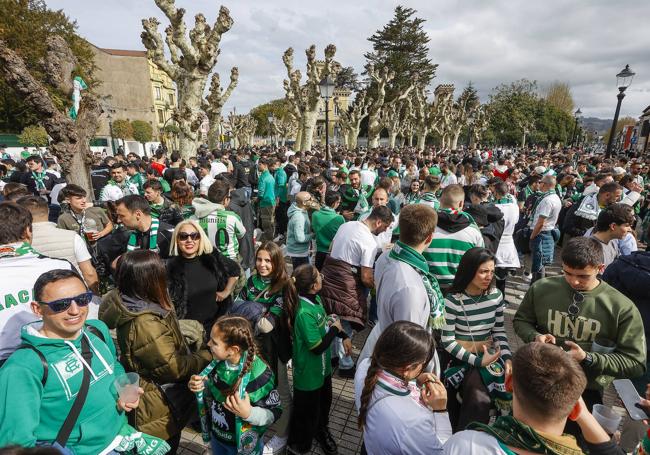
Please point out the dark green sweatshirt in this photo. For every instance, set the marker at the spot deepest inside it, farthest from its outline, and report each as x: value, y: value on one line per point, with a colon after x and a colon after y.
x: 605, y: 313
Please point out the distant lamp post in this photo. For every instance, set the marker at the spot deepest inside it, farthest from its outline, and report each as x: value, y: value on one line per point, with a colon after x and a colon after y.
x: 577, y: 114
x: 623, y: 81
x: 270, y: 119
x: 326, y: 87
x: 110, y: 131
x: 470, y: 124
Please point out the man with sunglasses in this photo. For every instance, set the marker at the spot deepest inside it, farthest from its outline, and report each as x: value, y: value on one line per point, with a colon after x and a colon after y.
x: 575, y: 310
x: 20, y: 266
x: 61, y: 380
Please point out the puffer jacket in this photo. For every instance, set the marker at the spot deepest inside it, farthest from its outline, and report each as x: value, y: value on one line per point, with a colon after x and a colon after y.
x: 151, y: 344
x: 343, y: 292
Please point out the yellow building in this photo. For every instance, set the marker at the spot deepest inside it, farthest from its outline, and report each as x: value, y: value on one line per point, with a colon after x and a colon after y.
x: 163, y: 93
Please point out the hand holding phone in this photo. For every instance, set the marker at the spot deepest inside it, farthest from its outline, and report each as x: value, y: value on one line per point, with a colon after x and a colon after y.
x: 631, y: 399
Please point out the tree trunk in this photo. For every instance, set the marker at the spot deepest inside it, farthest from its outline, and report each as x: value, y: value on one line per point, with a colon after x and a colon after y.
x: 422, y: 138
x: 309, y: 124
x: 78, y: 172
x: 353, y: 137
x: 213, y: 133
x: 454, y: 142
x: 189, y: 102
x: 523, y: 140
x: 392, y: 136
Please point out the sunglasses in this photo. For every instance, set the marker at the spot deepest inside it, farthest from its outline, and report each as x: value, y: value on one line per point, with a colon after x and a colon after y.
x: 63, y: 304
x: 183, y: 236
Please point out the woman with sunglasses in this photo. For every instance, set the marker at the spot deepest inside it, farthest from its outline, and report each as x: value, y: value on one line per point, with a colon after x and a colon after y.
x: 152, y: 345
x: 201, y: 279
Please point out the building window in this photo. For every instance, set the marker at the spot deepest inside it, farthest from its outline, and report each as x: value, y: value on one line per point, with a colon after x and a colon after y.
x: 158, y: 94
x: 161, y: 116
x: 171, y: 100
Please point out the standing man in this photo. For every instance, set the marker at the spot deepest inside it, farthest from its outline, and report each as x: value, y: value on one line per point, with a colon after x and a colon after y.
x: 325, y: 223
x: 299, y: 230
x: 348, y: 276
x: 354, y: 197
x: 266, y: 200
x: 281, y: 197
x: 161, y: 207
x: 612, y: 225
x: 574, y: 310
x: 206, y: 178
x: 118, y: 186
x: 542, y: 224
x: 20, y: 266
x: 406, y: 289
x: 39, y: 182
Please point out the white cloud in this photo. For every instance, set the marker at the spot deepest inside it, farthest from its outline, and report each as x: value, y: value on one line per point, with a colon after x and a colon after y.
x: 583, y: 42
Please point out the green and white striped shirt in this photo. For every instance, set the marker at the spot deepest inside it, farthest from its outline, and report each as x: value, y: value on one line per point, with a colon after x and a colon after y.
x: 224, y: 229
x: 445, y: 250
x: 481, y: 320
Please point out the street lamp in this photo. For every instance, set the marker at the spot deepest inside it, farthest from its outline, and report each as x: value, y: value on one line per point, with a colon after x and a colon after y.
x: 110, y: 131
x: 623, y: 81
x: 470, y: 123
x: 576, y: 115
x: 270, y: 119
x: 326, y: 87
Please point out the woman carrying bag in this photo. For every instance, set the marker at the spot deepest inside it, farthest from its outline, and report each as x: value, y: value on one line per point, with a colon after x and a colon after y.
x: 152, y: 345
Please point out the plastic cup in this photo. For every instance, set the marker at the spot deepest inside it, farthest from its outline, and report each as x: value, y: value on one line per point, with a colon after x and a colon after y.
x: 606, y: 417
x: 127, y: 386
x: 603, y: 346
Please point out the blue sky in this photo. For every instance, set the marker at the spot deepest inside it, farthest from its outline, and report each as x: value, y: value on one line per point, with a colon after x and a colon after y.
x: 582, y: 42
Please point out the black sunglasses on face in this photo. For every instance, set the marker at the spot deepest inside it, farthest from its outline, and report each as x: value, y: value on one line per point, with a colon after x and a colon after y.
x: 63, y: 304
x: 183, y: 236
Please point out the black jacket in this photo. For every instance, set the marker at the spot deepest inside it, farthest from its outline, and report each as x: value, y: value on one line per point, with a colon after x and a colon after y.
x: 177, y: 283
x: 241, y: 205
x: 490, y: 220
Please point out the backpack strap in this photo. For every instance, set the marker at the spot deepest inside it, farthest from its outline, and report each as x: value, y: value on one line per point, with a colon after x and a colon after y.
x: 42, y: 359
x: 95, y: 331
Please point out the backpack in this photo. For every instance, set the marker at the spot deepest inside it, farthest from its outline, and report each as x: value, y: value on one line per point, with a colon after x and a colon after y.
x: 92, y: 329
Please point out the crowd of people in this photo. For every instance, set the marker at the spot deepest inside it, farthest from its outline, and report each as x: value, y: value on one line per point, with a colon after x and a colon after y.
x: 233, y: 284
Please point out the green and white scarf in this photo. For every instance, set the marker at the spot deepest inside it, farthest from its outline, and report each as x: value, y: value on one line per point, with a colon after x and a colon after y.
x: 493, y: 377
x: 39, y: 178
x: 12, y: 251
x: 507, y: 199
x: 408, y: 255
x: 131, y: 441
x: 153, y: 237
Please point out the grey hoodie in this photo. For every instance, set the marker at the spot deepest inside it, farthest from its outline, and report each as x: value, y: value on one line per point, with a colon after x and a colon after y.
x: 204, y: 207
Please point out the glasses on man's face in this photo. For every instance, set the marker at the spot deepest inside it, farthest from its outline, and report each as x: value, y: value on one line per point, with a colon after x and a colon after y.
x: 184, y: 236
x: 63, y: 304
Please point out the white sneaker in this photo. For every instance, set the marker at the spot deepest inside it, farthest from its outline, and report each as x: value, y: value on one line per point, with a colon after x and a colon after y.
x: 275, y: 445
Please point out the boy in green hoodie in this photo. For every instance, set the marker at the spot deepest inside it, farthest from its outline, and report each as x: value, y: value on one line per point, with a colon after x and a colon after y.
x: 45, y: 378
x: 574, y: 310
x: 266, y: 199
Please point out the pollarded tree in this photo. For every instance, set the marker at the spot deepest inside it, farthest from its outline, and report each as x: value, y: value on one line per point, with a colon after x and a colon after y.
x: 70, y: 138
x: 350, y: 120
x: 305, y: 99
x: 214, y: 102
x: 393, y: 116
x: 192, y: 59
x: 442, y: 116
x: 464, y: 108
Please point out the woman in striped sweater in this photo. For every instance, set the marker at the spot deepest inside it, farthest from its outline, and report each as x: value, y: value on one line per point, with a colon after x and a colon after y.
x: 475, y: 337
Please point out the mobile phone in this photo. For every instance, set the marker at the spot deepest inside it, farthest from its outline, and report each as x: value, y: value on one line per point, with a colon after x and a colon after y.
x: 626, y: 390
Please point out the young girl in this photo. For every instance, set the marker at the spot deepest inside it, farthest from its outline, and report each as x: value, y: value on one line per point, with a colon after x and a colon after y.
x: 475, y: 337
x: 241, y: 391
x: 401, y: 408
x: 272, y: 287
x: 312, y: 370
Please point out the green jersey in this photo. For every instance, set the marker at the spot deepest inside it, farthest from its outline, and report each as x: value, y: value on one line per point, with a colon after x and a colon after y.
x: 224, y: 229
x: 257, y: 290
x: 309, y: 328
x: 138, y: 180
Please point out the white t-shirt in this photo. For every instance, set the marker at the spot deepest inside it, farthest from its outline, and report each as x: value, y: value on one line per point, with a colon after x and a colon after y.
x: 19, y: 273
x: 549, y: 208
x: 80, y: 249
x: 368, y: 177
x: 354, y: 244
x: 205, y: 185
x: 448, y: 179
x: 217, y: 167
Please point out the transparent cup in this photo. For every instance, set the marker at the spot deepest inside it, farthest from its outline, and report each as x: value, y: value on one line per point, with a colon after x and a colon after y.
x: 606, y: 417
x: 127, y: 386
x: 603, y: 346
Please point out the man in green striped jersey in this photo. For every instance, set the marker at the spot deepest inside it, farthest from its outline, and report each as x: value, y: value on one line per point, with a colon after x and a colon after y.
x: 223, y: 227
x: 456, y: 233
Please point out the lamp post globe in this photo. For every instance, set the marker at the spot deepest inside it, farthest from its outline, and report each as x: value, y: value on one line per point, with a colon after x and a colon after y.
x: 326, y: 88
x: 623, y: 81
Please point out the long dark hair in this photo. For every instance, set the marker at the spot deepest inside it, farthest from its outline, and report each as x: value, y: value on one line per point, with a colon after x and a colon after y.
x: 302, y: 280
x: 141, y: 274
x: 469, y: 265
x: 279, y: 275
x: 237, y: 331
x: 401, y: 345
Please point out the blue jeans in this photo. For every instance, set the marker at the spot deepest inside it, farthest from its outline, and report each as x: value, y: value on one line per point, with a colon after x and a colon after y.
x: 345, y: 361
x: 298, y: 261
x: 542, y: 249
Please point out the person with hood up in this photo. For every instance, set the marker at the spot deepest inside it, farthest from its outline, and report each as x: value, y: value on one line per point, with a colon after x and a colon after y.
x: 456, y: 233
x: 240, y: 203
x: 486, y: 215
x: 299, y: 230
x: 223, y: 227
x: 152, y: 345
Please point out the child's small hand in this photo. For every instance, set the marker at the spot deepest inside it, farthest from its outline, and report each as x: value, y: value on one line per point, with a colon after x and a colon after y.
x: 239, y: 406
x: 337, y: 323
x: 347, y: 346
x: 197, y: 383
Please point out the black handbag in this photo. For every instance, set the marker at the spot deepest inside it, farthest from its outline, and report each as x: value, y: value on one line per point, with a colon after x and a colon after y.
x: 181, y: 402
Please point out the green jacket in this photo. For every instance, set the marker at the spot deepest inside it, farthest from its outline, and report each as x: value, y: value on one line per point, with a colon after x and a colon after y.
x: 605, y: 313
x: 30, y: 412
x: 152, y: 345
x: 325, y: 223
x: 281, y: 184
x: 266, y: 189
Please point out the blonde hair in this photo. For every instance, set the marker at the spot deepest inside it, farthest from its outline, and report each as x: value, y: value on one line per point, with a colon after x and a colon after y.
x: 205, y: 246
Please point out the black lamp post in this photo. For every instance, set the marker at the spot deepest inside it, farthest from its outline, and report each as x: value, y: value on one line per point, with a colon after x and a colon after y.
x: 623, y: 81
x: 326, y: 91
x: 270, y: 119
x: 470, y: 124
x: 576, y: 115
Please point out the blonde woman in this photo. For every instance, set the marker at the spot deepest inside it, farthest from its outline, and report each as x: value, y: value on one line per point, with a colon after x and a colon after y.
x: 201, y: 279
